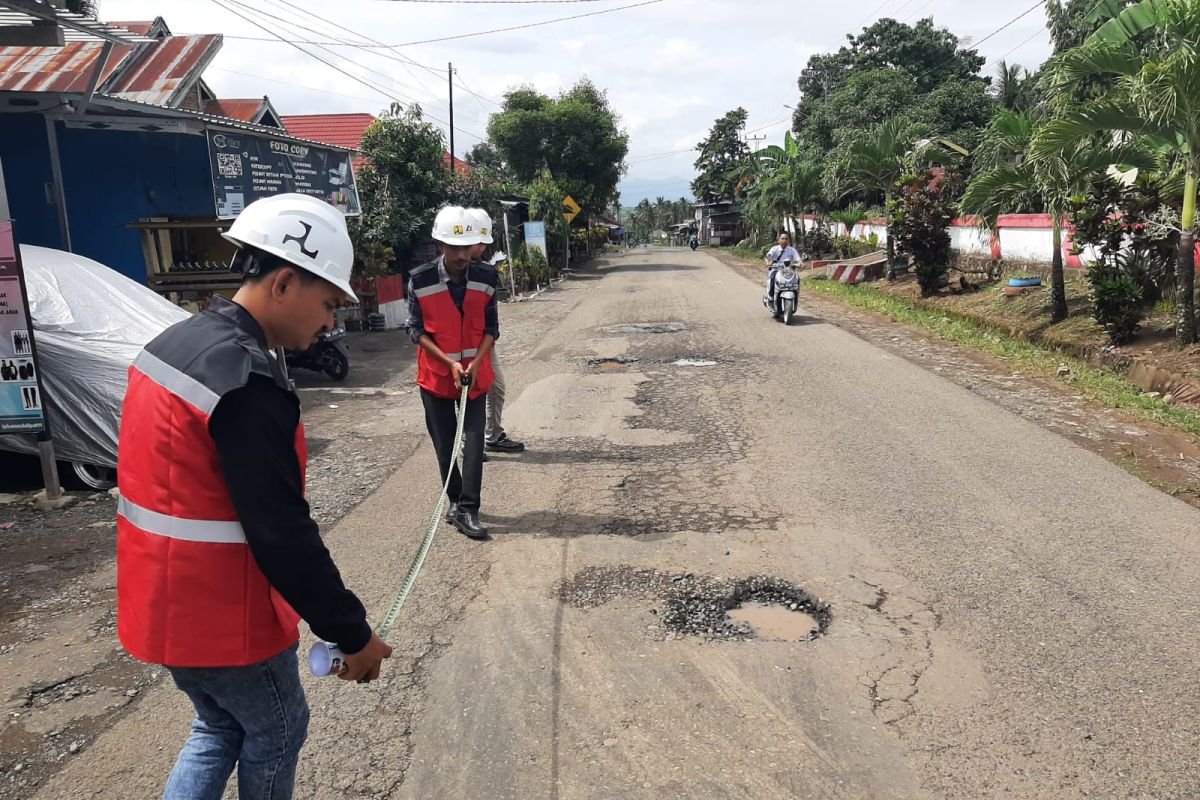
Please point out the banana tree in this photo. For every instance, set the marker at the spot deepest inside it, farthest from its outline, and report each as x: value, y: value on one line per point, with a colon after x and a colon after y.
x: 787, y: 185
x: 1011, y: 178
x: 1151, y: 48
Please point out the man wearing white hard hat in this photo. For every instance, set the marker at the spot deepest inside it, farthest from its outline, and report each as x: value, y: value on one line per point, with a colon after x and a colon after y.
x: 454, y: 323
x: 218, y: 557
x: 495, y: 437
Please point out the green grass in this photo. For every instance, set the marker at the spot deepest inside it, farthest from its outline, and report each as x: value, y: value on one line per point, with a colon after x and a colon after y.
x: 1096, y: 384
x: 754, y: 254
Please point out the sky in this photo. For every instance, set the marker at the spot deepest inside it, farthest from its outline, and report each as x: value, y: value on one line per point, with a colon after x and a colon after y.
x: 670, y: 67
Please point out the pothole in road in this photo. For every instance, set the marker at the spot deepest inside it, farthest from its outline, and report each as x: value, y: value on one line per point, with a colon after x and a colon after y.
x: 697, y: 361
x: 611, y: 363
x: 775, y: 623
x: 646, y: 327
x: 760, y: 607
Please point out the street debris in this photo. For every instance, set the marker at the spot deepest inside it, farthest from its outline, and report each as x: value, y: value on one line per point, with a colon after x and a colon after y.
x: 646, y: 327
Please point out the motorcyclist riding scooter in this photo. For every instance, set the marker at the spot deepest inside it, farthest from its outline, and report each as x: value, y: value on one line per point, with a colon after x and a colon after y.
x: 778, y: 257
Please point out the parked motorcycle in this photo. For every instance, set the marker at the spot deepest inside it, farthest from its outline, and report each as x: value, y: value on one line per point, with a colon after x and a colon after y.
x: 787, y: 291
x: 327, y: 354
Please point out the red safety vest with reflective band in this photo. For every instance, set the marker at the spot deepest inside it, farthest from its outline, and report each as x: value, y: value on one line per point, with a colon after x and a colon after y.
x: 459, y: 334
x: 189, y: 592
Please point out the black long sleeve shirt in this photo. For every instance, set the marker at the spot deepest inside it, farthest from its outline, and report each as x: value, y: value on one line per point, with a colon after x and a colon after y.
x: 255, y: 430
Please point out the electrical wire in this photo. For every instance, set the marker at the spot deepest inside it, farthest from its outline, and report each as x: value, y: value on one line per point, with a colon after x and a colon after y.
x: 457, y: 36
x: 385, y: 92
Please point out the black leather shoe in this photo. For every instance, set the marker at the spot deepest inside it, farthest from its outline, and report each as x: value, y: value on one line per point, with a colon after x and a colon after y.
x: 467, y: 523
x: 451, y: 512
x: 506, y: 445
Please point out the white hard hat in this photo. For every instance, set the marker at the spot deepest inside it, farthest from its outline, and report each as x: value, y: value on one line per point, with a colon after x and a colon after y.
x: 454, y: 225
x: 483, y: 225
x: 302, y: 230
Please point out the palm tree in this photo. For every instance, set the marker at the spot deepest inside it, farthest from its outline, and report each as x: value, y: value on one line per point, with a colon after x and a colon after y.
x: 787, y: 185
x: 1013, y: 86
x: 1157, y: 96
x: 874, y: 164
x: 1009, y: 179
x: 849, y: 216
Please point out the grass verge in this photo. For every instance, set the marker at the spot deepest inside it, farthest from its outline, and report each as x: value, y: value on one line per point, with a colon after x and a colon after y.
x: 1098, y: 385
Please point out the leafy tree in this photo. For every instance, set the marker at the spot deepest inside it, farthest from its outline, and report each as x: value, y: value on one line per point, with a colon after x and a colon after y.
x: 575, y: 136
x: 1151, y: 49
x: 1069, y: 23
x: 724, y: 158
x: 891, y: 69
x: 403, y: 183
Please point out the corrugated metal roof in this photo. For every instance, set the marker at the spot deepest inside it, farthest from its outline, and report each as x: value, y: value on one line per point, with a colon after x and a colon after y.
x: 76, y: 27
x: 343, y: 130
x: 141, y: 28
x: 164, y: 70
x: 168, y: 112
x: 245, y: 110
x: 56, y: 69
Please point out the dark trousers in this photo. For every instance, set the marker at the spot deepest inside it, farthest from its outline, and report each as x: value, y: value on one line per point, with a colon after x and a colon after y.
x: 465, y: 489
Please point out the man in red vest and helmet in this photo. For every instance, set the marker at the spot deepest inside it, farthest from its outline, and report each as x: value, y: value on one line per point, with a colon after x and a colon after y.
x: 454, y: 322
x: 218, y: 557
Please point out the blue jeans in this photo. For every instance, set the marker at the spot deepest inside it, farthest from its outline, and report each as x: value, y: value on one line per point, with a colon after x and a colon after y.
x: 255, y: 717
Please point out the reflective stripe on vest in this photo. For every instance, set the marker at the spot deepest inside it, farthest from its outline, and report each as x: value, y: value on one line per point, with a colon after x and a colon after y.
x: 428, y: 290
x: 177, y: 383
x: 190, y: 530
x: 481, y: 287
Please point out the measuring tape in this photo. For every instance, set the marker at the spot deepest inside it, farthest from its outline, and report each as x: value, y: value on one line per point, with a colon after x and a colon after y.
x: 325, y: 658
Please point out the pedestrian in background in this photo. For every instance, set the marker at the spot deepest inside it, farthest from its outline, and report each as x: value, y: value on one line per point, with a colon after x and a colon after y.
x: 454, y: 321
x: 497, y: 440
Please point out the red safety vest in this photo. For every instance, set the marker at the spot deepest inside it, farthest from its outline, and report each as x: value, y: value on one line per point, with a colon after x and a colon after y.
x: 189, y: 592
x: 459, y: 334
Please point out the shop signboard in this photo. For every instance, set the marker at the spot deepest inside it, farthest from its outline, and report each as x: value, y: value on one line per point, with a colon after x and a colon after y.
x: 248, y: 166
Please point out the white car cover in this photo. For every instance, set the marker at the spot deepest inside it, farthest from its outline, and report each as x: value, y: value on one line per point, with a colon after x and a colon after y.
x: 89, y: 322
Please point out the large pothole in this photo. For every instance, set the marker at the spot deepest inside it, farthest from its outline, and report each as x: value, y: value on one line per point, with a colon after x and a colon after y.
x: 759, y: 607
x: 646, y: 327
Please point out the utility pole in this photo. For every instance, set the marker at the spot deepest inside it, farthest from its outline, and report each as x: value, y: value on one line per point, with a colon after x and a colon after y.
x: 450, y: 75
x: 756, y: 140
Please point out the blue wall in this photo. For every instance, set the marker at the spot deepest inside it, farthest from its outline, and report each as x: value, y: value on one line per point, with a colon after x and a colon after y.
x: 113, y: 178
x: 26, y: 160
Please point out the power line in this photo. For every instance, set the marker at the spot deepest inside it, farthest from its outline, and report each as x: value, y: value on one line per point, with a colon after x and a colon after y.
x: 1036, y: 34
x: 399, y: 56
x: 387, y: 78
x: 1010, y: 23
x: 385, y: 92
x: 918, y: 11
x: 497, y: 2
x: 458, y: 36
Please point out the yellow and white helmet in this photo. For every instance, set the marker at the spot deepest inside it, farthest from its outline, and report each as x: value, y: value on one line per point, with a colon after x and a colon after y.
x: 456, y: 226
x: 483, y: 225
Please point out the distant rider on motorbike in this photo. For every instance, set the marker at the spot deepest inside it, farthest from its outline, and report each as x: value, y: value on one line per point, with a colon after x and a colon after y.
x: 775, y: 259
x: 693, y: 241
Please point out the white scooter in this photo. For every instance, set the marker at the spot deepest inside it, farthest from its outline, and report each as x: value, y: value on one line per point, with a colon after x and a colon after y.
x: 787, y: 292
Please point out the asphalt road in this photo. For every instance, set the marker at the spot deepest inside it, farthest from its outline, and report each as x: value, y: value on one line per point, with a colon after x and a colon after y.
x: 1012, y: 616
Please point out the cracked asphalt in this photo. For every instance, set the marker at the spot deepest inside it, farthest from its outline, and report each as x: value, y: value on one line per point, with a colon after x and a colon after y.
x: 1009, y: 613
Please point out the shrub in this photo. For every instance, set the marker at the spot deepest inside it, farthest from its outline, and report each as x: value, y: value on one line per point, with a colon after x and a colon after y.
x: 1117, y: 296
x: 920, y: 222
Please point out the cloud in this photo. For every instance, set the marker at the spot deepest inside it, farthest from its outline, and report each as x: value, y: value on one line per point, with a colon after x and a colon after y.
x: 670, y: 69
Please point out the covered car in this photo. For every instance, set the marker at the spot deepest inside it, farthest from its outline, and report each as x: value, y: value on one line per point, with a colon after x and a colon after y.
x: 89, y: 322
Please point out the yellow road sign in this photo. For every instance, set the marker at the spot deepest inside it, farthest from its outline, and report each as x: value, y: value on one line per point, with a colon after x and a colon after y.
x: 571, y: 209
